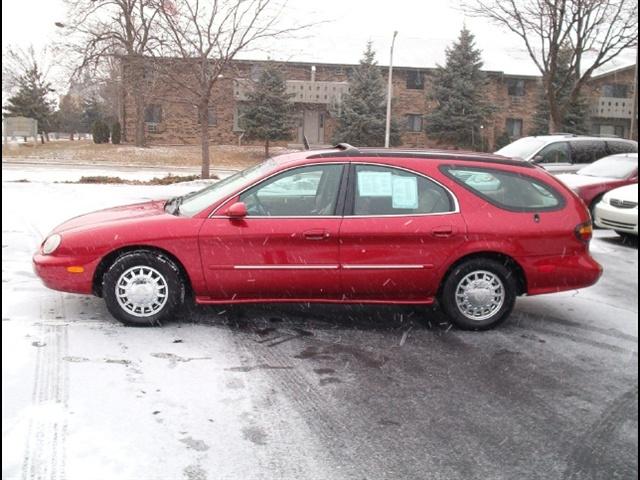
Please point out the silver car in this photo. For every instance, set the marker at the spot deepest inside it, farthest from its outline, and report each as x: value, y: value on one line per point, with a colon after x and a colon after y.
x: 566, y: 153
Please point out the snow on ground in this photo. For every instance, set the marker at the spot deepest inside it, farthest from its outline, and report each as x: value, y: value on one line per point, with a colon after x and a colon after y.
x: 85, y: 397
x: 63, y: 173
x: 301, y: 393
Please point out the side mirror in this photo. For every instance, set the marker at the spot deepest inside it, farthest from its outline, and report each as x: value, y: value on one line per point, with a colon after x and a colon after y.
x: 538, y: 159
x: 237, y: 210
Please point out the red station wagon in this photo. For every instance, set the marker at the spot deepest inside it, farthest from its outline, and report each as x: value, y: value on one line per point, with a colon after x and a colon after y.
x: 341, y: 225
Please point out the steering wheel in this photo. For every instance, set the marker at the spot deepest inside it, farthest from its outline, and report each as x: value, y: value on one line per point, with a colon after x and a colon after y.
x: 255, y: 206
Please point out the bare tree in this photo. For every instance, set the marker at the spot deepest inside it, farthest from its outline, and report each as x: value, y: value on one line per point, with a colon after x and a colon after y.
x: 205, y: 37
x: 16, y: 61
x: 98, y: 30
x: 596, y: 32
x: 28, y: 85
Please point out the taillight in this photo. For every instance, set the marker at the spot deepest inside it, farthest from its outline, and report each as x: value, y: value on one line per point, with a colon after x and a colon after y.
x: 584, y: 232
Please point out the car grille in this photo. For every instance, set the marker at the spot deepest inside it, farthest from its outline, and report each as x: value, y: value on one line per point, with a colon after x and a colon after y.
x: 622, y: 203
x: 611, y: 223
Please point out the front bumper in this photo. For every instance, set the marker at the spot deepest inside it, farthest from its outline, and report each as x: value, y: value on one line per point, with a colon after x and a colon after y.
x: 619, y: 219
x: 53, y: 272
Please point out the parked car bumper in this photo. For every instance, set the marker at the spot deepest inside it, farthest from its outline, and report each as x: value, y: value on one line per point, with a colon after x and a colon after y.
x: 66, y: 274
x: 619, y: 219
x: 551, y: 274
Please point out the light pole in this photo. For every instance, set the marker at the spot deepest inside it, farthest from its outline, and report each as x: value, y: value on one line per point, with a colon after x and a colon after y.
x: 389, y: 90
x: 634, y: 110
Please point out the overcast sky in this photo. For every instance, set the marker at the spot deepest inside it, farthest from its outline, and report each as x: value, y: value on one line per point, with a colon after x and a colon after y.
x: 425, y: 28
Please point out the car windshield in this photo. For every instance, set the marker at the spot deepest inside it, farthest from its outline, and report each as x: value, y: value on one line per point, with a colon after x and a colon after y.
x: 522, y: 148
x: 195, y: 202
x: 611, y: 167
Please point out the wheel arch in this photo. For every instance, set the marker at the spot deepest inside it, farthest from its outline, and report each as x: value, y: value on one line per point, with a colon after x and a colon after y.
x: 504, y: 259
x: 112, y: 256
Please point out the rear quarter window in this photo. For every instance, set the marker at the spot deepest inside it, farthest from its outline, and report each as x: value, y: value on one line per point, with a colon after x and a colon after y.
x: 621, y: 147
x: 506, y: 190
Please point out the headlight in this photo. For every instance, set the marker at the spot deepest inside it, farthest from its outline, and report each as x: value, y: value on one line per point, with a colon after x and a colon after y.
x: 51, y: 243
x: 606, y: 200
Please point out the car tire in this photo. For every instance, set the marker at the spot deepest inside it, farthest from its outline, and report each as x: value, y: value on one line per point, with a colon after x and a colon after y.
x: 485, y: 306
x: 143, y: 288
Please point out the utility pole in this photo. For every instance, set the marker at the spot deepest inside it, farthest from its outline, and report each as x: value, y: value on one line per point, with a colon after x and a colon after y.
x: 389, y: 91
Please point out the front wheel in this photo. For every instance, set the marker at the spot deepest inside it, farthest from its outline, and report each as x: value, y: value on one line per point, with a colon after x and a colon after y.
x: 479, y: 294
x: 143, y: 288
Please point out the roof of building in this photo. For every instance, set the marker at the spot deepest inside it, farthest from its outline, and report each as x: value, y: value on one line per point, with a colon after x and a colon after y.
x: 615, y: 71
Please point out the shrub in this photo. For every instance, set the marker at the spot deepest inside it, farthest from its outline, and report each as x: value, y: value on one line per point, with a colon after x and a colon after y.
x: 100, y: 132
x: 116, y: 133
x: 503, y: 140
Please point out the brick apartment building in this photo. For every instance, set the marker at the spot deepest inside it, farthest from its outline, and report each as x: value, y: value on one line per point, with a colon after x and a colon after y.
x: 318, y: 89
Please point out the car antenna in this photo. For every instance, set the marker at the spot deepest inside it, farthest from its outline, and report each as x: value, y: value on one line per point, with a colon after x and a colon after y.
x: 306, y: 142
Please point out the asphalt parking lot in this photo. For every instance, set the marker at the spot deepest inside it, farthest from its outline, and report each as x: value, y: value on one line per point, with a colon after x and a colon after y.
x: 315, y: 391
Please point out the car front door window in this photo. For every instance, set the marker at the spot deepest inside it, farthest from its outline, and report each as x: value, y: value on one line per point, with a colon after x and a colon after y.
x: 554, y: 153
x: 305, y: 191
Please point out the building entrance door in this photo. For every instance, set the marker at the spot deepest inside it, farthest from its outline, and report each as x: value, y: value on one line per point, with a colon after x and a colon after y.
x: 313, y: 126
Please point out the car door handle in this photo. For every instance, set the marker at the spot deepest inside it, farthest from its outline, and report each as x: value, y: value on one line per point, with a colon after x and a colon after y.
x: 316, y: 235
x: 443, y: 232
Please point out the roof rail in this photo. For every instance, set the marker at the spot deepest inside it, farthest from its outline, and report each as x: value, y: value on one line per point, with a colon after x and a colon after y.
x: 346, y: 148
x: 350, y: 151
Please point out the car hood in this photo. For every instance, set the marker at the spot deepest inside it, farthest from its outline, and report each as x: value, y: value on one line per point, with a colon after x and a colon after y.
x: 574, y: 181
x: 136, y: 211
x: 628, y: 193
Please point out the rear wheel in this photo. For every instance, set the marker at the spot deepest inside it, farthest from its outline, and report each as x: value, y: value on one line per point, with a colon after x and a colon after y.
x: 143, y: 288
x: 479, y: 294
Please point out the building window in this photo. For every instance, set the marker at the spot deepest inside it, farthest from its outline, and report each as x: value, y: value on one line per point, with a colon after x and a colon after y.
x: 608, y: 130
x: 238, y: 113
x: 615, y: 90
x: 213, y: 118
x: 153, y: 114
x: 514, y: 127
x: 414, y: 123
x: 415, y: 80
x: 515, y: 87
x: 256, y: 72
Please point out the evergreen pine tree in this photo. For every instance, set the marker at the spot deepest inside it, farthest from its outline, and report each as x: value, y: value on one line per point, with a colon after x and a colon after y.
x: 269, y: 114
x: 459, y: 92
x: 32, y: 99
x: 575, y: 118
x: 116, y: 133
x: 69, y: 116
x: 363, y: 113
x: 92, y: 111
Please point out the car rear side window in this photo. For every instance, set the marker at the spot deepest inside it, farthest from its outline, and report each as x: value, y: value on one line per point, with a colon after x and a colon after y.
x: 391, y: 191
x: 621, y: 147
x: 588, y: 151
x: 507, y: 190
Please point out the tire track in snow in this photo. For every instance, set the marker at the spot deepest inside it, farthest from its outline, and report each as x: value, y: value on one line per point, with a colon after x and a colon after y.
x: 586, y: 460
x: 303, y: 398
x: 334, y: 428
x: 45, y: 450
